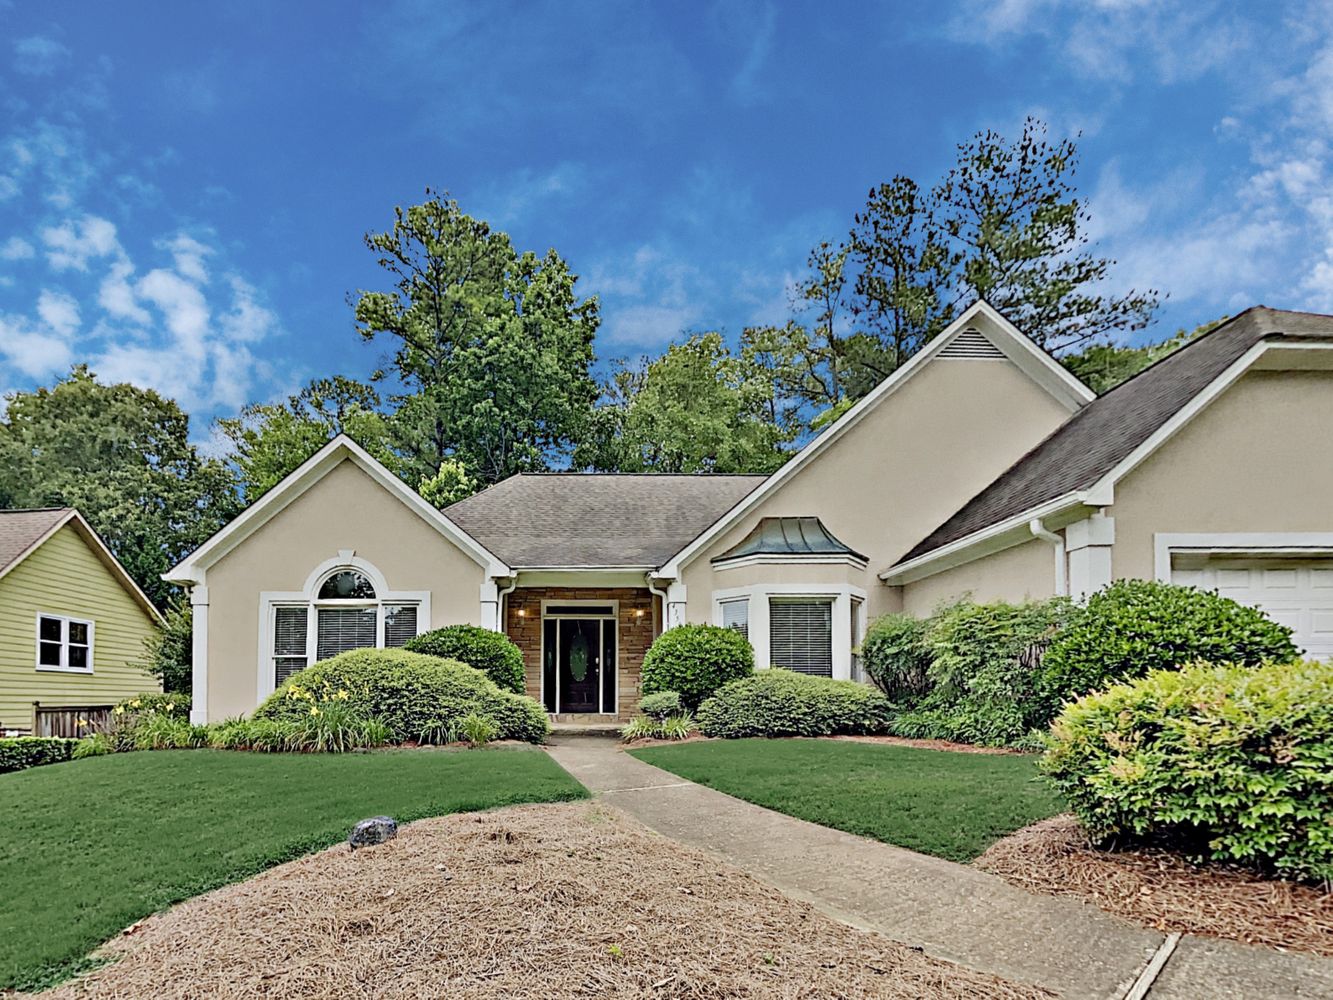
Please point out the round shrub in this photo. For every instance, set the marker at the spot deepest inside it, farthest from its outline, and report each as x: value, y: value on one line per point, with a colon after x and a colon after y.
x: 490, y: 652
x: 696, y: 660
x: 1135, y: 626
x: 1223, y: 762
x: 896, y: 657
x: 778, y: 702
x: 419, y: 697
x: 661, y: 705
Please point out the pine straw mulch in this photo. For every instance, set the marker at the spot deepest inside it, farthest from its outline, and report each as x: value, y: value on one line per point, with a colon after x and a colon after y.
x: 903, y: 741
x: 545, y: 901
x: 1161, y: 890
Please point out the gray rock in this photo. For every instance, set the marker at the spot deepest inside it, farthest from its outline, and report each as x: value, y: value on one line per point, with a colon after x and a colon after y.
x: 370, y: 832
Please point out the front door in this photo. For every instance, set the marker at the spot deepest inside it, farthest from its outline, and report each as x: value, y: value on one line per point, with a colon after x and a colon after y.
x: 579, y: 659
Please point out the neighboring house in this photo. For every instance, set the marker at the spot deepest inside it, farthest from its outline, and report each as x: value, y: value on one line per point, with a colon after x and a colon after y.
x: 72, y: 623
x: 980, y: 467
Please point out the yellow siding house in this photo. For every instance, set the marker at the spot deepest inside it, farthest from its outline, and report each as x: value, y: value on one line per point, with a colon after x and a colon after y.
x: 72, y: 621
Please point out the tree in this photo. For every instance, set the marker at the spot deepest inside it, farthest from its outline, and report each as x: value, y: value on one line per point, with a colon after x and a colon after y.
x: 697, y: 408
x: 169, y: 651
x: 493, y: 347
x: 1104, y: 365
x: 122, y: 456
x: 449, y: 485
x: 269, y: 440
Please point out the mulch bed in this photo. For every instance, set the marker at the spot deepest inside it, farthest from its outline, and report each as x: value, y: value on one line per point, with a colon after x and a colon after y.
x: 549, y: 901
x: 902, y: 741
x: 1158, y: 889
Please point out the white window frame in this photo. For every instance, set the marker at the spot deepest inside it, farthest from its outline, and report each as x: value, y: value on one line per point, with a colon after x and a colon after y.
x: 308, y: 598
x: 758, y: 594
x: 65, y: 622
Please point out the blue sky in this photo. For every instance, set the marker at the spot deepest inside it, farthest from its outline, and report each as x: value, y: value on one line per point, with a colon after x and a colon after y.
x: 183, y: 187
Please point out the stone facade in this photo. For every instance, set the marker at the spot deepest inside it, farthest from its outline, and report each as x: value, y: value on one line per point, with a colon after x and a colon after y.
x: 639, y: 617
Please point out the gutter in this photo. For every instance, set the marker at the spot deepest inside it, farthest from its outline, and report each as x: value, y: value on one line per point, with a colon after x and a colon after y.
x: 1039, y: 530
x: 648, y: 582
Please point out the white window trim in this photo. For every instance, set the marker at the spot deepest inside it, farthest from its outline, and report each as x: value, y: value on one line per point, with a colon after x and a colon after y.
x: 1267, y: 543
x: 613, y: 618
x: 840, y: 594
x: 346, y: 559
x: 65, y: 622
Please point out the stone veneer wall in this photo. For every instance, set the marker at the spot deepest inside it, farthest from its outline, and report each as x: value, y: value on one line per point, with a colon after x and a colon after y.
x: 637, y: 629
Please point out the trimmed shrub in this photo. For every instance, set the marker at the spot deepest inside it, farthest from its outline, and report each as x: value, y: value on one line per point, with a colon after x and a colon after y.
x: 661, y: 705
x: 493, y: 653
x: 778, y: 702
x: 1136, y: 626
x: 1224, y: 762
x: 895, y: 657
x: 21, y: 752
x: 696, y: 660
x: 415, y: 695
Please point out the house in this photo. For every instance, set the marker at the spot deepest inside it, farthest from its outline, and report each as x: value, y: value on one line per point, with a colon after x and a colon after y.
x: 72, y: 623
x: 980, y: 467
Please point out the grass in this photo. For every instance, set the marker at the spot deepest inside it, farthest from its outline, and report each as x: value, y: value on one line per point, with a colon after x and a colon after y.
x: 91, y: 846
x: 952, y: 805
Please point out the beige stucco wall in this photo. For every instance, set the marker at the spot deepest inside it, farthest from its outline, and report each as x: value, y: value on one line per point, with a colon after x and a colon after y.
x: 912, y: 461
x: 344, y: 510
x: 1258, y: 459
x: 1026, y: 571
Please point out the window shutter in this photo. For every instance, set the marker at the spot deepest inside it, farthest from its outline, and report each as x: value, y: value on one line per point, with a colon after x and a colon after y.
x: 400, y: 623
x: 736, y: 614
x: 289, y: 636
x: 800, y: 636
x: 341, y: 629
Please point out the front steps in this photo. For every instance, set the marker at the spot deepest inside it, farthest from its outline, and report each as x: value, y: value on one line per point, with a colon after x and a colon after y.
x: 584, y: 724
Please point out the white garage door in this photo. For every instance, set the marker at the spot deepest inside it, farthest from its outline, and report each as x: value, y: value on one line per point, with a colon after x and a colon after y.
x: 1296, y: 592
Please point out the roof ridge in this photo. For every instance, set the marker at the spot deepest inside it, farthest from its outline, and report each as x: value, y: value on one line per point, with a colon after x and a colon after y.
x: 33, y: 510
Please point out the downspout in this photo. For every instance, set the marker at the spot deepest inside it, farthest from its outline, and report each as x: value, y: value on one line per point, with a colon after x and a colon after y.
x: 1038, y: 530
x: 648, y: 580
x: 500, y: 596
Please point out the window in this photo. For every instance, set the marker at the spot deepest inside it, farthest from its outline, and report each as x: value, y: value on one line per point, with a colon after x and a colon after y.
x: 347, y: 585
x: 400, y: 623
x: 290, y: 625
x: 64, y: 644
x: 736, y: 614
x: 800, y: 634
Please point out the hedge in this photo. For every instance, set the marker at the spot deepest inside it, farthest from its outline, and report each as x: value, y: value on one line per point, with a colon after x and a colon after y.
x: 20, y: 752
x: 780, y: 702
x: 695, y: 660
x: 494, y: 654
x: 1224, y: 762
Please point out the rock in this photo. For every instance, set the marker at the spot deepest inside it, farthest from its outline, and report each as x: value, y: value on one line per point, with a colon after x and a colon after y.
x: 370, y: 832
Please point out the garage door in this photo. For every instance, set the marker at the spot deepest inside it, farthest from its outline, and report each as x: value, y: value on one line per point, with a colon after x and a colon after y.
x: 1296, y: 592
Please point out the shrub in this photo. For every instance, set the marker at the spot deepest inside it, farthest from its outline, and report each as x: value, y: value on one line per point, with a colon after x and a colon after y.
x: 660, y: 705
x: 334, y: 726
x: 1224, y: 762
x: 696, y: 660
x: 778, y: 702
x: 895, y: 656
x: 647, y: 727
x: 493, y: 653
x: 21, y: 752
x: 477, y: 729
x: 96, y: 745
x: 1136, y: 626
x: 411, y: 693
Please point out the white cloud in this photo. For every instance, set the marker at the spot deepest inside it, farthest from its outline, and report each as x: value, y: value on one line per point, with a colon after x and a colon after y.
x: 190, y: 255
x: 16, y: 248
x: 59, y: 312
x: 116, y: 295
x: 38, y: 55
x: 72, y: 244
x: 30, y: 351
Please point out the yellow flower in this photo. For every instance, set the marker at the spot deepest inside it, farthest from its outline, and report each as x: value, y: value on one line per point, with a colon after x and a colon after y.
x: 82, y: 722
x: 171, y: 706
x: 135, y: 703
x: 314, y: 710
x: 342, y: 694
x: 120, y: 709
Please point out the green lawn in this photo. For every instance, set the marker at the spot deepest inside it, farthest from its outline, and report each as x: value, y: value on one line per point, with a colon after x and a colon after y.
x: 91, y: 846
x: 951, y: 805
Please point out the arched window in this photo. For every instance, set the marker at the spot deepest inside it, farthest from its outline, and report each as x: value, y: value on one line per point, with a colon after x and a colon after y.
x: 344, y: 607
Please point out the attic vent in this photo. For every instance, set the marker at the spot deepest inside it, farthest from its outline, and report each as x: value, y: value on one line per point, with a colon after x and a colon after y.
x: 971, y: 343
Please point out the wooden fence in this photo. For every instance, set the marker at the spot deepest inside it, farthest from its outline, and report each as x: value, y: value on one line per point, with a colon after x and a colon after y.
x: 69, y: 720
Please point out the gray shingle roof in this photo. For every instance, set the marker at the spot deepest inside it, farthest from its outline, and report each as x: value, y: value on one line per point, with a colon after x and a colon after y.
x: 788, y: 536
x: 573, y: 519
x: 1091, y: 442
x: 20, y: 530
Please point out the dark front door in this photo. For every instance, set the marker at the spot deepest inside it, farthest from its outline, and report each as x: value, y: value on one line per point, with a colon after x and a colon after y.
x: 579, y: 662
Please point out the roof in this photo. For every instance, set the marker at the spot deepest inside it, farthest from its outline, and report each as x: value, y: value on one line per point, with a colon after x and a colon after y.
x: 21, y: 530
x: 536, y: 520
x: 1097, y: 438
x: 788, y: 536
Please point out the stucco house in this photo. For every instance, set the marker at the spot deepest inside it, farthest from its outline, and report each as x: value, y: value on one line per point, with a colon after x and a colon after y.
x: 72, y: 623
x: 982, y: 466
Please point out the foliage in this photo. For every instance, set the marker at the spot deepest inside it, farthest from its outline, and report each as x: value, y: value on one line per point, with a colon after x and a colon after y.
x: 694, y: 661
x: 93, y: 745
x: 168, y: 703
x: 676, y: 726
x: 19, y: 752
x: 411, y: 693
x: 169, y: 650
x: 149, y: 830
x: 1219, y: 761
x: 450, y: 484
x: 950, y: 805
x: 895, y: 657
x: 493, y: 347
x: 778, y: 702
x: 269, y: 440
x: 491, y: 652
x: 1103, y: 365
x: 1134, y: 626
x: 660, y: 704
x: 697, y: 408
x: 477, y: 729
x: 121, y: 455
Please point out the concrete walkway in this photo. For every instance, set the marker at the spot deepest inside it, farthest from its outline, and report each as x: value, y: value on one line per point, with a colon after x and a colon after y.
x: 951, y: 911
